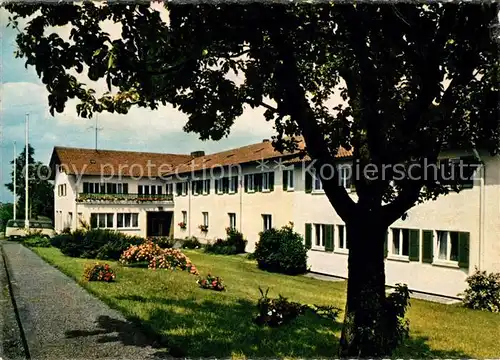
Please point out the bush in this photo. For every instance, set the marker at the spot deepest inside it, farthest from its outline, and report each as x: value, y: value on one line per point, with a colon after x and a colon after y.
x: 191, y: 243
x: 36, y: 241
x: 163, y: 242
x: 212, y: 283
x: 98, y: 272
x: 275, y: 312
x: 483, y: 291
x: 95, y: 244
x: 234, y: 244
x: 281, y: 251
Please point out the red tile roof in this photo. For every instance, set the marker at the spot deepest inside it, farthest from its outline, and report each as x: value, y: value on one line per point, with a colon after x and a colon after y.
x: 130, y: 163
x: 246, y: 154
x: 113, y: 162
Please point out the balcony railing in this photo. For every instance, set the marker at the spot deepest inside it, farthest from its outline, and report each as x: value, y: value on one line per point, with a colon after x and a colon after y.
x: 125, y: 198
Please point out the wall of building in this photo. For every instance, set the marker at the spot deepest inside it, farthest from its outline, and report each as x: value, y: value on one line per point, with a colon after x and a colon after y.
x: 140, y: 209
x: 453, y: 212
x: 248, y: 208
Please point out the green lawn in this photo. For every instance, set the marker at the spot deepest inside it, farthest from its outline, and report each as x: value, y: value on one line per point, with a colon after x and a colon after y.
x: 201, y: 323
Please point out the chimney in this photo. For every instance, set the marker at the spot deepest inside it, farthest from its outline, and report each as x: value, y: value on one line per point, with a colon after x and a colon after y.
x: 197, y: 154
x: 265, y: 140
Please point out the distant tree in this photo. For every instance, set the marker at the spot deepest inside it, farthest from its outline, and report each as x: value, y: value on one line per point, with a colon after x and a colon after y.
x: 6, y: 213
x: 41, y: 190
x: 416, y: 79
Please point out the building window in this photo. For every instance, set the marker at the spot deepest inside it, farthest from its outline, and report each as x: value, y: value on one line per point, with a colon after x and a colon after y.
x: 342, y: 237
x: 220, y: 185
x: 319, y: 235
x: 447, y: 245
x: 251, y: 183
x: 140, y: 190
x: 317, y: 184
x: 267, y: 220
x: 400, y: 242
x: 206, y: 186
x: 101, y: 220
x: 159, y: 189
x: 61, y: 190
x: 184, y: 217
x: 70, y: 219
x: 345, y: 175
x: 232, y: 220
x: 266, y: 182
x: 170, y: 189
x: 184, y: 188
x: 232, y: 184
x: 205, y: 218
x: 127, y: 220
x: 290, y: 179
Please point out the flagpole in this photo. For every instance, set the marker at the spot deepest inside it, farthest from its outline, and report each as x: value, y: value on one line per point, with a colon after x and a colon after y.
x: 15, y: 181
x: 26, y: 178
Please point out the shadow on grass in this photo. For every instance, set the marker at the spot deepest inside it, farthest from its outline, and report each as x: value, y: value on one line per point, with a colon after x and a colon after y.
x: 417, y: 348
x: 211, y: 329
x: 190, y: 328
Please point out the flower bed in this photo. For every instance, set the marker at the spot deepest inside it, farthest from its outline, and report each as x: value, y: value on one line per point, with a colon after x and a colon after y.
x: 157, y: 258
x: 98, y: 272
x: 212, y: 283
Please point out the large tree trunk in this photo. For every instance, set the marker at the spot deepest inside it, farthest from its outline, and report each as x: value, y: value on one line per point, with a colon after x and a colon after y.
x: 364, y: 323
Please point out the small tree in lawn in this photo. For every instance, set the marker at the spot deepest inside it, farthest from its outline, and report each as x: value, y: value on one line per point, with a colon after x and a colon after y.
x: 388, y: 62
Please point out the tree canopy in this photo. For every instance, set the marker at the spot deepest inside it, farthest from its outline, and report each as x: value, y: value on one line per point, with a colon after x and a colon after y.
x: 41, y: 191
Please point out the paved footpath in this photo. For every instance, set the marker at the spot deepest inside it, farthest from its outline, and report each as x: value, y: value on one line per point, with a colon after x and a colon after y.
x: 61, y: 320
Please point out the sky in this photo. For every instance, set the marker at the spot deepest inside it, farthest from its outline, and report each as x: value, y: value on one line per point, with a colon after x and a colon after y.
x: 22, y: 92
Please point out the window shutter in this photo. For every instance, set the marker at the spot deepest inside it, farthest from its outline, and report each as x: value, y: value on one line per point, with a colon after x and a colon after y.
x: 427, y: 246
x: 109, y: 188
x: 307, y: 237
x: 245, y: 182
x: 271, y: 181
x: 414, y: 246
x: 178, y: 188
x: 125, y: 188
x: 463, y: 249
x: 308, y: 182
x: 225, y: 185
x: 285, y: 180
x: 386, y: 241
x: 85, y: 187
x: 209, y: 183
x: 329, y: 238
x: 216, y: 185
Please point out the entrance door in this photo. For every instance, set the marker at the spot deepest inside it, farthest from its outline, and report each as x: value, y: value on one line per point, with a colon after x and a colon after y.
x: 159, y: 223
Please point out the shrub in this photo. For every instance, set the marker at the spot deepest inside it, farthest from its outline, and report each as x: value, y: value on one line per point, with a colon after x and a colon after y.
x: 36, y: 241
x: 191, y: 243
x: 66, y: 230
x: 144, y: 252
x: 281, y: 251
x: 95, y: 244
x: 276, y: 312
x: 212, y: 283
x: 398, y: 327
x: 234, y: 244
x: 172, y: 259
x: 483, y: 291
x: 163, y: 242
x: 57, y: 240
x: 98, y: 272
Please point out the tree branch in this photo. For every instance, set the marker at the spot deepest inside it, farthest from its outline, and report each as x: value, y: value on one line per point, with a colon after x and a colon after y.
x: 294, y: 102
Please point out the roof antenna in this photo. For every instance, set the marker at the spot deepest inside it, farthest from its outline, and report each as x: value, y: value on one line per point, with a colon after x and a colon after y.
x: 97, y: 129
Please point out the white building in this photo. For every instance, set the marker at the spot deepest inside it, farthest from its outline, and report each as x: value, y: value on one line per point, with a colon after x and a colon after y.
x: 433, y: 250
